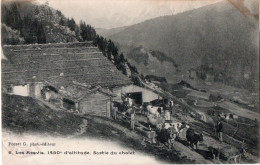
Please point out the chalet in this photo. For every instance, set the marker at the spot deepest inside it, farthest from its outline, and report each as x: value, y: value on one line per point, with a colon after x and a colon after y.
x: 140, y: 95
x: 74, y: 76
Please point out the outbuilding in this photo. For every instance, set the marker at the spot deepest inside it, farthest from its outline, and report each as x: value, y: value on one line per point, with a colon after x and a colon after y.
x: 75, y: 76
x: 139, y: 95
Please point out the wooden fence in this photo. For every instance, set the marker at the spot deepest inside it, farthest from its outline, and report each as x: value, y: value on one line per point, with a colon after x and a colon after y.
x: 134, y: 124
x: 116, y: 115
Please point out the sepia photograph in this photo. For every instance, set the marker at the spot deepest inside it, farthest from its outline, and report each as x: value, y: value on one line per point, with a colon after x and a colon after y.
x: 130, y: 82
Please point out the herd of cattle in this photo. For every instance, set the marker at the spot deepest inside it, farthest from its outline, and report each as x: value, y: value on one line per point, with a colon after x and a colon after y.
x: 168, y: 131
x: 158, y: 115
x: 159, y: 119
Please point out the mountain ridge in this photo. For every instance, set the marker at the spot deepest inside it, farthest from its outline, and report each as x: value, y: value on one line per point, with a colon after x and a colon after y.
x: 208, y: 36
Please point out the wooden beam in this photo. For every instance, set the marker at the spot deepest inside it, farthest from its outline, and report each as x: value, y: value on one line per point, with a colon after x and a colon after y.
x: 55, y: 49
x: 81, y: 84
x: 49, y: 44
x: 10, y: 72
x: 107, y: 92
x: 55, y: 54
x: 89, y: 59
x: 99, y: 88
x: 107, y: 74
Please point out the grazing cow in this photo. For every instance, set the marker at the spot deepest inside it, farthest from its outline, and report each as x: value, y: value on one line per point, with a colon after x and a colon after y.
x: 178, y: 126
x: 193, y: 138
x: 167, y: 136
x: 237, y: 157
x: 153, y: 110
x: 163, y: 135
x: 234, y: 155
x: 155, y: 120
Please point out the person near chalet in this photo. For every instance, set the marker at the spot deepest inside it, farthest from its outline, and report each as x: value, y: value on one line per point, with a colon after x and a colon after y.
x: 171, y: 105
x: 172, y: 135
x: 219, y: 130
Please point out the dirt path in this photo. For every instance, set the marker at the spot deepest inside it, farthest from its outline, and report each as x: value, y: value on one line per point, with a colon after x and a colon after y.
x: 119, y: 132
x: 48, y: 104
x: 210, y: 140
x: 239, y: 111
x: 229, y: 142
x: 81, y: 130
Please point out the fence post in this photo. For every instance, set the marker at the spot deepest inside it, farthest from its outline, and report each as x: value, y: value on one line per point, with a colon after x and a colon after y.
x: 115, y: 113
x: 109, y: 107
x: 61, y: 103
x: 77, y: 106
x: 132, y: 121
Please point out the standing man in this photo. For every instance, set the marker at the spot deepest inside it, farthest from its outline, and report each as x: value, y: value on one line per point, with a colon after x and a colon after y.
x: 132, y: 120
x: 167, y: 115
x: 171, y: 136
x: 171, y: 105
x: 219, y: 130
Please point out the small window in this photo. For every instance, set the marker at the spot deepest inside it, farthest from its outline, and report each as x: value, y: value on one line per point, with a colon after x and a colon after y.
x: 9, y: 89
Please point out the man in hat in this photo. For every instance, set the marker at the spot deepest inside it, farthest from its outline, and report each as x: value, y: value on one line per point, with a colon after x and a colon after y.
x: 219, y: 130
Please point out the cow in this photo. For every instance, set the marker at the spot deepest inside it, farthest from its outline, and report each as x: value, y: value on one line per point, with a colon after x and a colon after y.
x: 153, y: 110
x: 231, y: 154
x: 155, y: 120
x: 193, y: 138
x: 178, y: 126
x: 167, y: 136
x: 237, y: 157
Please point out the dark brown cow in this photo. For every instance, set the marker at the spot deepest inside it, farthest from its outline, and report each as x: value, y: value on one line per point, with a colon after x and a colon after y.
x: 193, y: 138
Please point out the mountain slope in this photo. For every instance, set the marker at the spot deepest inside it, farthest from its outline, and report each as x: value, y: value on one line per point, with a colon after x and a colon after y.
x: 37, y: 23
x: 218, y: 36
x: 25, y: 22
x: 108, y: 32
x: 152, y: 62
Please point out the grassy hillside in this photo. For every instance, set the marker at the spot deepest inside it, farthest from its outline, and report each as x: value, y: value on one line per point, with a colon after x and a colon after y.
x: 24, y: 114
x: 150, y: 62
x: 217, y: 36
x: 109, y: 32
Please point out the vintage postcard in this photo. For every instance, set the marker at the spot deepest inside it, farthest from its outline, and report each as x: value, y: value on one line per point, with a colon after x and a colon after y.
x: 130, y: 81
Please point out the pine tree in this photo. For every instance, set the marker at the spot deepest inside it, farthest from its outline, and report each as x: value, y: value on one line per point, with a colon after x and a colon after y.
x: 36, y: 10
x: 14, y: 18
x: 59, y: 12
x: 71, y: 24
x: 41, y: 37
x: 87, y: 32
x: 83, y: 31
x: 109, y: 49
x: 62, y: 22
x: 4, y: 15
x: 93, y: 34
x: 77, y: 32
x: 114, y: 52
x: 103, y: 45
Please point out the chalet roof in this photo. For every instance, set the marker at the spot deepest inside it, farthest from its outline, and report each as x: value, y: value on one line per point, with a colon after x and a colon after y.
x: 60, y: 65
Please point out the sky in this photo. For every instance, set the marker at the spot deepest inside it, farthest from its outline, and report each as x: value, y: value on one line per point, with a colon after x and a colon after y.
x: 117, y: 13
